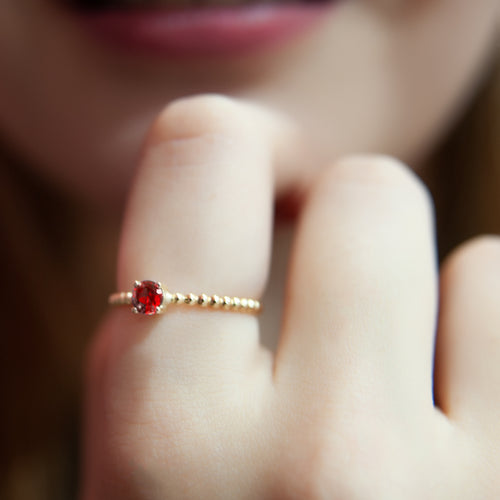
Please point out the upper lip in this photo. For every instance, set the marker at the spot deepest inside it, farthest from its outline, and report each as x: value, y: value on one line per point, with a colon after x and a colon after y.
x: 131, y: 4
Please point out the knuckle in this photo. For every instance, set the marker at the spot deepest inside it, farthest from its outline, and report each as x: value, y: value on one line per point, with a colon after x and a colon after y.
x: 355, y: 460
x: 307, y: 474
x: 475, y: 252
x: 377, y: 173
x: 382, y: 170
x: 190, y: 117
x: 478, y: 248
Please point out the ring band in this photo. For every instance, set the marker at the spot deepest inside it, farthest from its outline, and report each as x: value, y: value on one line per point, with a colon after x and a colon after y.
x: 149, y: 297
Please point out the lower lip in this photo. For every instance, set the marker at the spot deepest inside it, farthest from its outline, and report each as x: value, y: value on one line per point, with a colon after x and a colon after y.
x: 204, y: 31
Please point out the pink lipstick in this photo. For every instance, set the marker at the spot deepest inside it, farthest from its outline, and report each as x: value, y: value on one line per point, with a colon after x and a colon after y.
x: 202, y: 31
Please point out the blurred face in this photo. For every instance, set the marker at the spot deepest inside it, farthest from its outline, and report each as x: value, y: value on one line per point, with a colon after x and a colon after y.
x: 82, y: 81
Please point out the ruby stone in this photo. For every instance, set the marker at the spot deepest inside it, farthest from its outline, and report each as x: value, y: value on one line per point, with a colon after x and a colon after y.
x: 147, y: 297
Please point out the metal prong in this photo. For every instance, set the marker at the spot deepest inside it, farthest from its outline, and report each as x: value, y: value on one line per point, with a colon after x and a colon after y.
x: 134, y: 310
x: 137, y: 283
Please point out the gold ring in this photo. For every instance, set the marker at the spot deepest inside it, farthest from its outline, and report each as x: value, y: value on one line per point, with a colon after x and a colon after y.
x: 149, y: 297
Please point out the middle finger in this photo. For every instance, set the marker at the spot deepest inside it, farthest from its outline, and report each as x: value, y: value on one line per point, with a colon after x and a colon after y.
x: 362, y: 295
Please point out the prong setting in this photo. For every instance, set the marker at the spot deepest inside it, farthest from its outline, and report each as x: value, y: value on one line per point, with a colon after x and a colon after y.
x: 149, y: 298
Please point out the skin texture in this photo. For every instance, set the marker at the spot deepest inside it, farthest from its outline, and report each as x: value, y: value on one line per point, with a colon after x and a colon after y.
x: 189, y: 405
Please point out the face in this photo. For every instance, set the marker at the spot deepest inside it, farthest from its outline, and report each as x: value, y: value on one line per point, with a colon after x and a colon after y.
x: 80, y: 86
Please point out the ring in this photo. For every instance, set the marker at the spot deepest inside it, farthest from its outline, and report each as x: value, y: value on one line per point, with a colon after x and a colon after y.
x: 149, y: 297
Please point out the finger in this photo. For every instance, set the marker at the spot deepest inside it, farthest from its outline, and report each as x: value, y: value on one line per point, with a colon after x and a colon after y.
x: 361, y: 300
x: 468, y: 347
x: 198, y: 220
x: 200, y: 209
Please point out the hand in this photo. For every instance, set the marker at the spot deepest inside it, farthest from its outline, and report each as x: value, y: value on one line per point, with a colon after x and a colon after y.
x: 188, y: 405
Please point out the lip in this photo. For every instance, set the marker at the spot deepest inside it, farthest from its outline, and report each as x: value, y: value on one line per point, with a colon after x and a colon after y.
x: 203, y: 31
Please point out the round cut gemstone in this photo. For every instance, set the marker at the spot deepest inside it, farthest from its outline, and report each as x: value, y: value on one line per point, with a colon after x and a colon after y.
x: 147, y: 297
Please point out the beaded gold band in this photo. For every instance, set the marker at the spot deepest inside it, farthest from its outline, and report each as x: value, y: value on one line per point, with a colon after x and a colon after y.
x: 149, y: 297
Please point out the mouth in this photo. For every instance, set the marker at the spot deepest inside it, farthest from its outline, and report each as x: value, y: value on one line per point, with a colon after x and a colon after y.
x: 96, y: 5
x: 197, y: 28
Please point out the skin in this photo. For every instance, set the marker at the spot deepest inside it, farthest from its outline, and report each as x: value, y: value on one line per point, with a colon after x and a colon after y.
x: 189, y: 405
x: 370, y: 79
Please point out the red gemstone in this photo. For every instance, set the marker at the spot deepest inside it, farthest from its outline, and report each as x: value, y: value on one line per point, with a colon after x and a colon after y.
x: 147, y: 297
